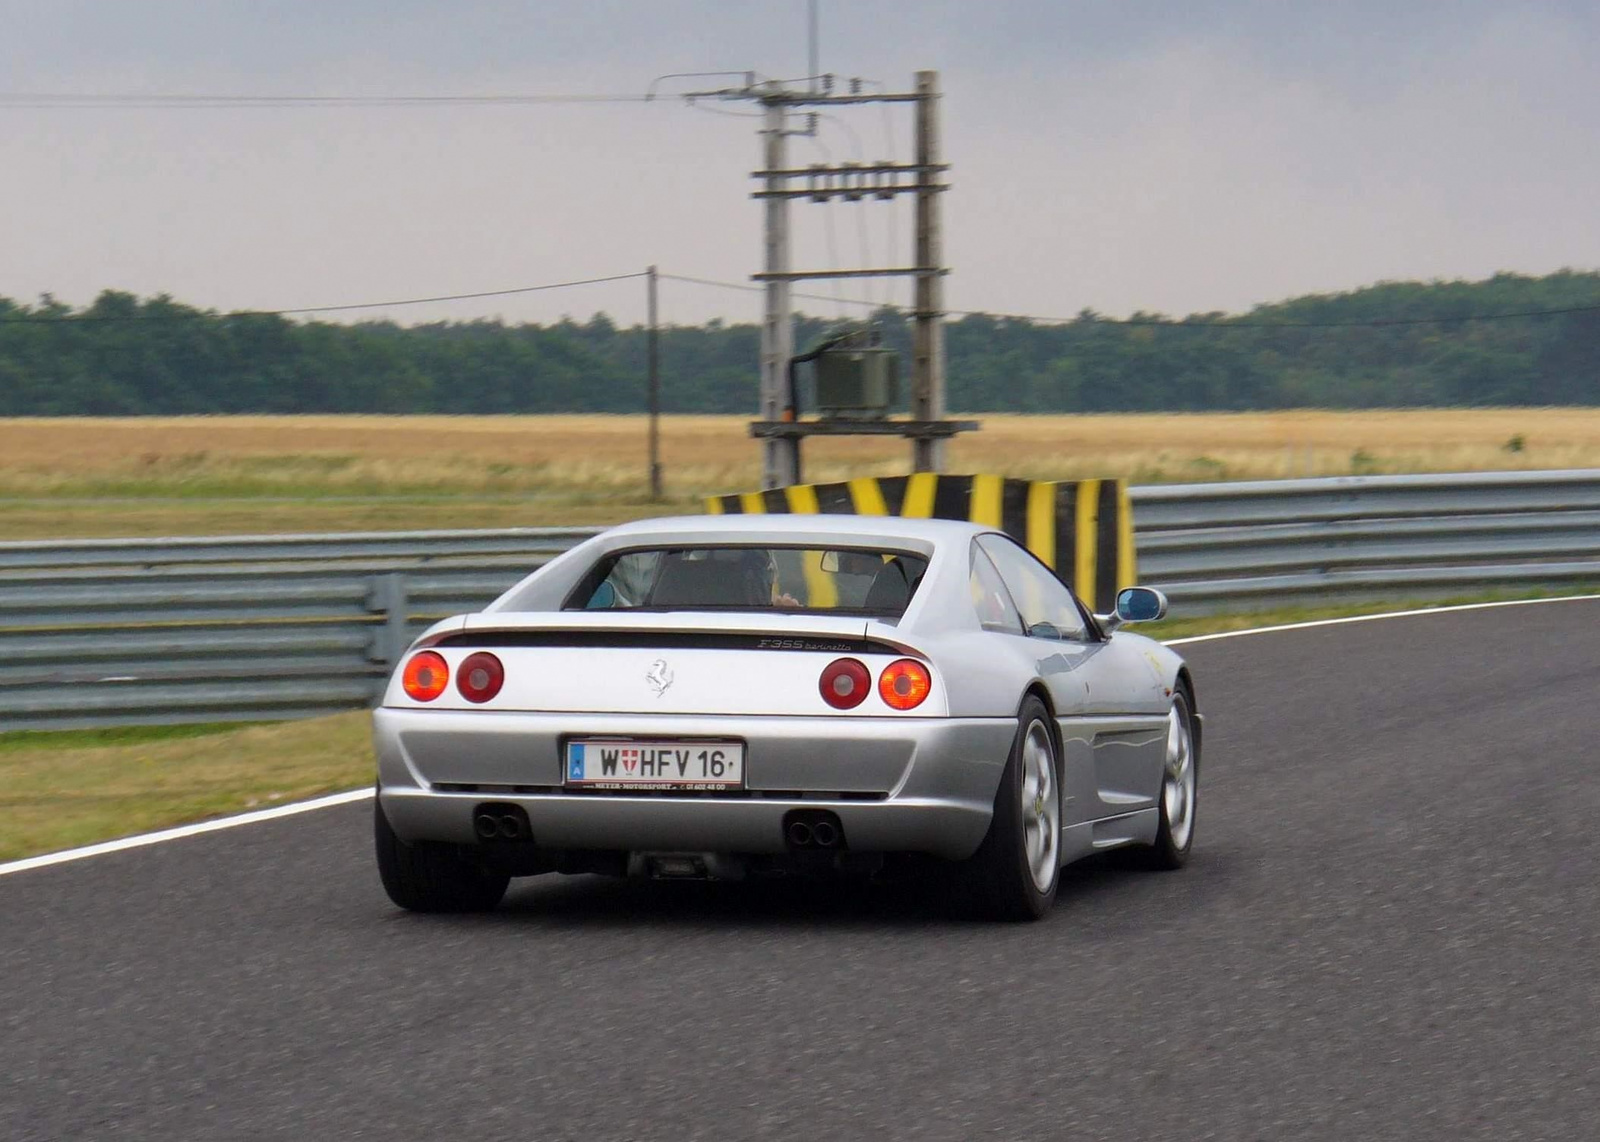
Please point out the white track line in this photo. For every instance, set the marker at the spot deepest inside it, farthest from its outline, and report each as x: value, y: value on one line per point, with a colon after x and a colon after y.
x: 156, y: 838
x: 353, y: 795
x: 1371, y: 618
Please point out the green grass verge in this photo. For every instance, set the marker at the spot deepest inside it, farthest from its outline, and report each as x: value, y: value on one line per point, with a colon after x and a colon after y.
x: 115, y: 735
x: 61, y: 790
x: 75, y: 787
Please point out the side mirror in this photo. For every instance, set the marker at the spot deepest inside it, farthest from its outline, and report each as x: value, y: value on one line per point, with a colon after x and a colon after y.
x: 1141, y: 605
x: 604, y: 597
x: 1135, y: 605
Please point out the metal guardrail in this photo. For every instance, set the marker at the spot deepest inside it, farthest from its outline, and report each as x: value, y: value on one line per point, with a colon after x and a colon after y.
x: 125, y: 632
x: 367, y: 549
x: 197, y: 631
x: 1285, y: 542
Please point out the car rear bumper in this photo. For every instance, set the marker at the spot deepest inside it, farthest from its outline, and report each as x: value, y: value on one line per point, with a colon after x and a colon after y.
x: 896, y: 784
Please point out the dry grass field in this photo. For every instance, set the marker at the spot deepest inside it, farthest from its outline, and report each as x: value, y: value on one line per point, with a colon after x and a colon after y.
x: 215, y: 475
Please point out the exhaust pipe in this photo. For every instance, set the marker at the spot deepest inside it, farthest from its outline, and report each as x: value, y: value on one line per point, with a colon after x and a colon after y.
x: 496, y: 821
x: 813, y: 829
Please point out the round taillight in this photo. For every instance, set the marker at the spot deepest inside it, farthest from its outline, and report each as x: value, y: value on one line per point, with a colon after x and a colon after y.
x: 426, y: 676
x: 904, y: 684
x: 845, y: 683
x: 480, y: 676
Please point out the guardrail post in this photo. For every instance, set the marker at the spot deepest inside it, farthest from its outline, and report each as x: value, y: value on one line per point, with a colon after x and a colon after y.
x: 389, y: 596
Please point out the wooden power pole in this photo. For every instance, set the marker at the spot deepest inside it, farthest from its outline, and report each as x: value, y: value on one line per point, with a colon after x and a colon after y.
x: 653, y: 354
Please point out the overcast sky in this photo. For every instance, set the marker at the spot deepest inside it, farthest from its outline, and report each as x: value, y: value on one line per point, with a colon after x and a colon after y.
x: 1115, y: 154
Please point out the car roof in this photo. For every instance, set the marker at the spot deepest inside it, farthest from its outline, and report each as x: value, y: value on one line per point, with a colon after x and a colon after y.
x: 782, y: 528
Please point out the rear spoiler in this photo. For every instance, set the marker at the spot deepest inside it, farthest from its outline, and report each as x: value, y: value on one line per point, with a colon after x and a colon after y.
x: 690, y: 629
x: 669, y: 640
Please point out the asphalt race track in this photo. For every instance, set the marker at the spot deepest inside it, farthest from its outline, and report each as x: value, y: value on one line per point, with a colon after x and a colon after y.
x: 1389, y: 930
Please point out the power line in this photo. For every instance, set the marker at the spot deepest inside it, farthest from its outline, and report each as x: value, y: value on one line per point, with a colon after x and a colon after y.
x: 863, y: 205
x: 193, y: 314
x: 40, y: 100
x: 695, y: 105
x: 67, y: 101
x: 827, y: 224
x: 749, y: 78
x: 460, y: 296
x: 746, y: 288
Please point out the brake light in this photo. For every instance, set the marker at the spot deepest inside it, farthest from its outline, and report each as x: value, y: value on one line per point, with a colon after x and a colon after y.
x: 480, y: 676
x: 425, y: 676
x: 904, y: 684
x: 845, y: 683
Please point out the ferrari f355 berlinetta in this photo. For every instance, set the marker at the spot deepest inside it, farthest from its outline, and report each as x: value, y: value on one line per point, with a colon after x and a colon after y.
x: 740, y: 696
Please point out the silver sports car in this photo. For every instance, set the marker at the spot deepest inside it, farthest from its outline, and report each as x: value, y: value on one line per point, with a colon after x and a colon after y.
x: 732, y: 696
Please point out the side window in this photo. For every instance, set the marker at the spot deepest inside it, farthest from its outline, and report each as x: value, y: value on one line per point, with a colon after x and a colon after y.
x: 626, y: 584
x: 995, y: 610
x: 1047, y: 607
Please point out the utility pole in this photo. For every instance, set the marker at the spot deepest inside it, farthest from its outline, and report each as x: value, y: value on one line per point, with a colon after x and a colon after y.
x: 927, y: 364
x: 781, y: 427
x: 780, y: 456
x: 653, y: 354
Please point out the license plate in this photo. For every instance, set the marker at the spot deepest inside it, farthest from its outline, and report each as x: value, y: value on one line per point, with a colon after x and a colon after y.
x: 645, y: 763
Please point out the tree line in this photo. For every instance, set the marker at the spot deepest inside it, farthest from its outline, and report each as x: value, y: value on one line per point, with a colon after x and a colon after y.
x: 1395, y: 344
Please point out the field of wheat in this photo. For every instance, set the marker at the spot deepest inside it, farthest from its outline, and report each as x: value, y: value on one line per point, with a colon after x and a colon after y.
x: 213, y: 475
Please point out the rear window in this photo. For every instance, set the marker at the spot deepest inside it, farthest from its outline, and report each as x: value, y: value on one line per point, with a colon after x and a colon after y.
x: 864, y: 581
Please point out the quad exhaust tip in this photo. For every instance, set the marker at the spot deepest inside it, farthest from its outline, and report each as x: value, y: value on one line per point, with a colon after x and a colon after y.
x: 501, y: 823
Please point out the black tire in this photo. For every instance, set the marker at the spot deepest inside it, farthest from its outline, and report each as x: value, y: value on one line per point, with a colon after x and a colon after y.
x: 1000, y: 873
x: 432, y: 877
x: 1166, y: 853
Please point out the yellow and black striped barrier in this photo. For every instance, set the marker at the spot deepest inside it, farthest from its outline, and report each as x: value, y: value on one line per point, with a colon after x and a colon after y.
x: 1083, y: 529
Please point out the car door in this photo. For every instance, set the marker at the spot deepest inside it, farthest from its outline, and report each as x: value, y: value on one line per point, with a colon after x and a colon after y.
x: 1113, y: 733
x: 1039, y: 613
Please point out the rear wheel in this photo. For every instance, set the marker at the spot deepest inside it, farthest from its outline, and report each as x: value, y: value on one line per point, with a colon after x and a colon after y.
x: 1016, y: 869
x: 1180, y: 790
x: 432, y: 877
